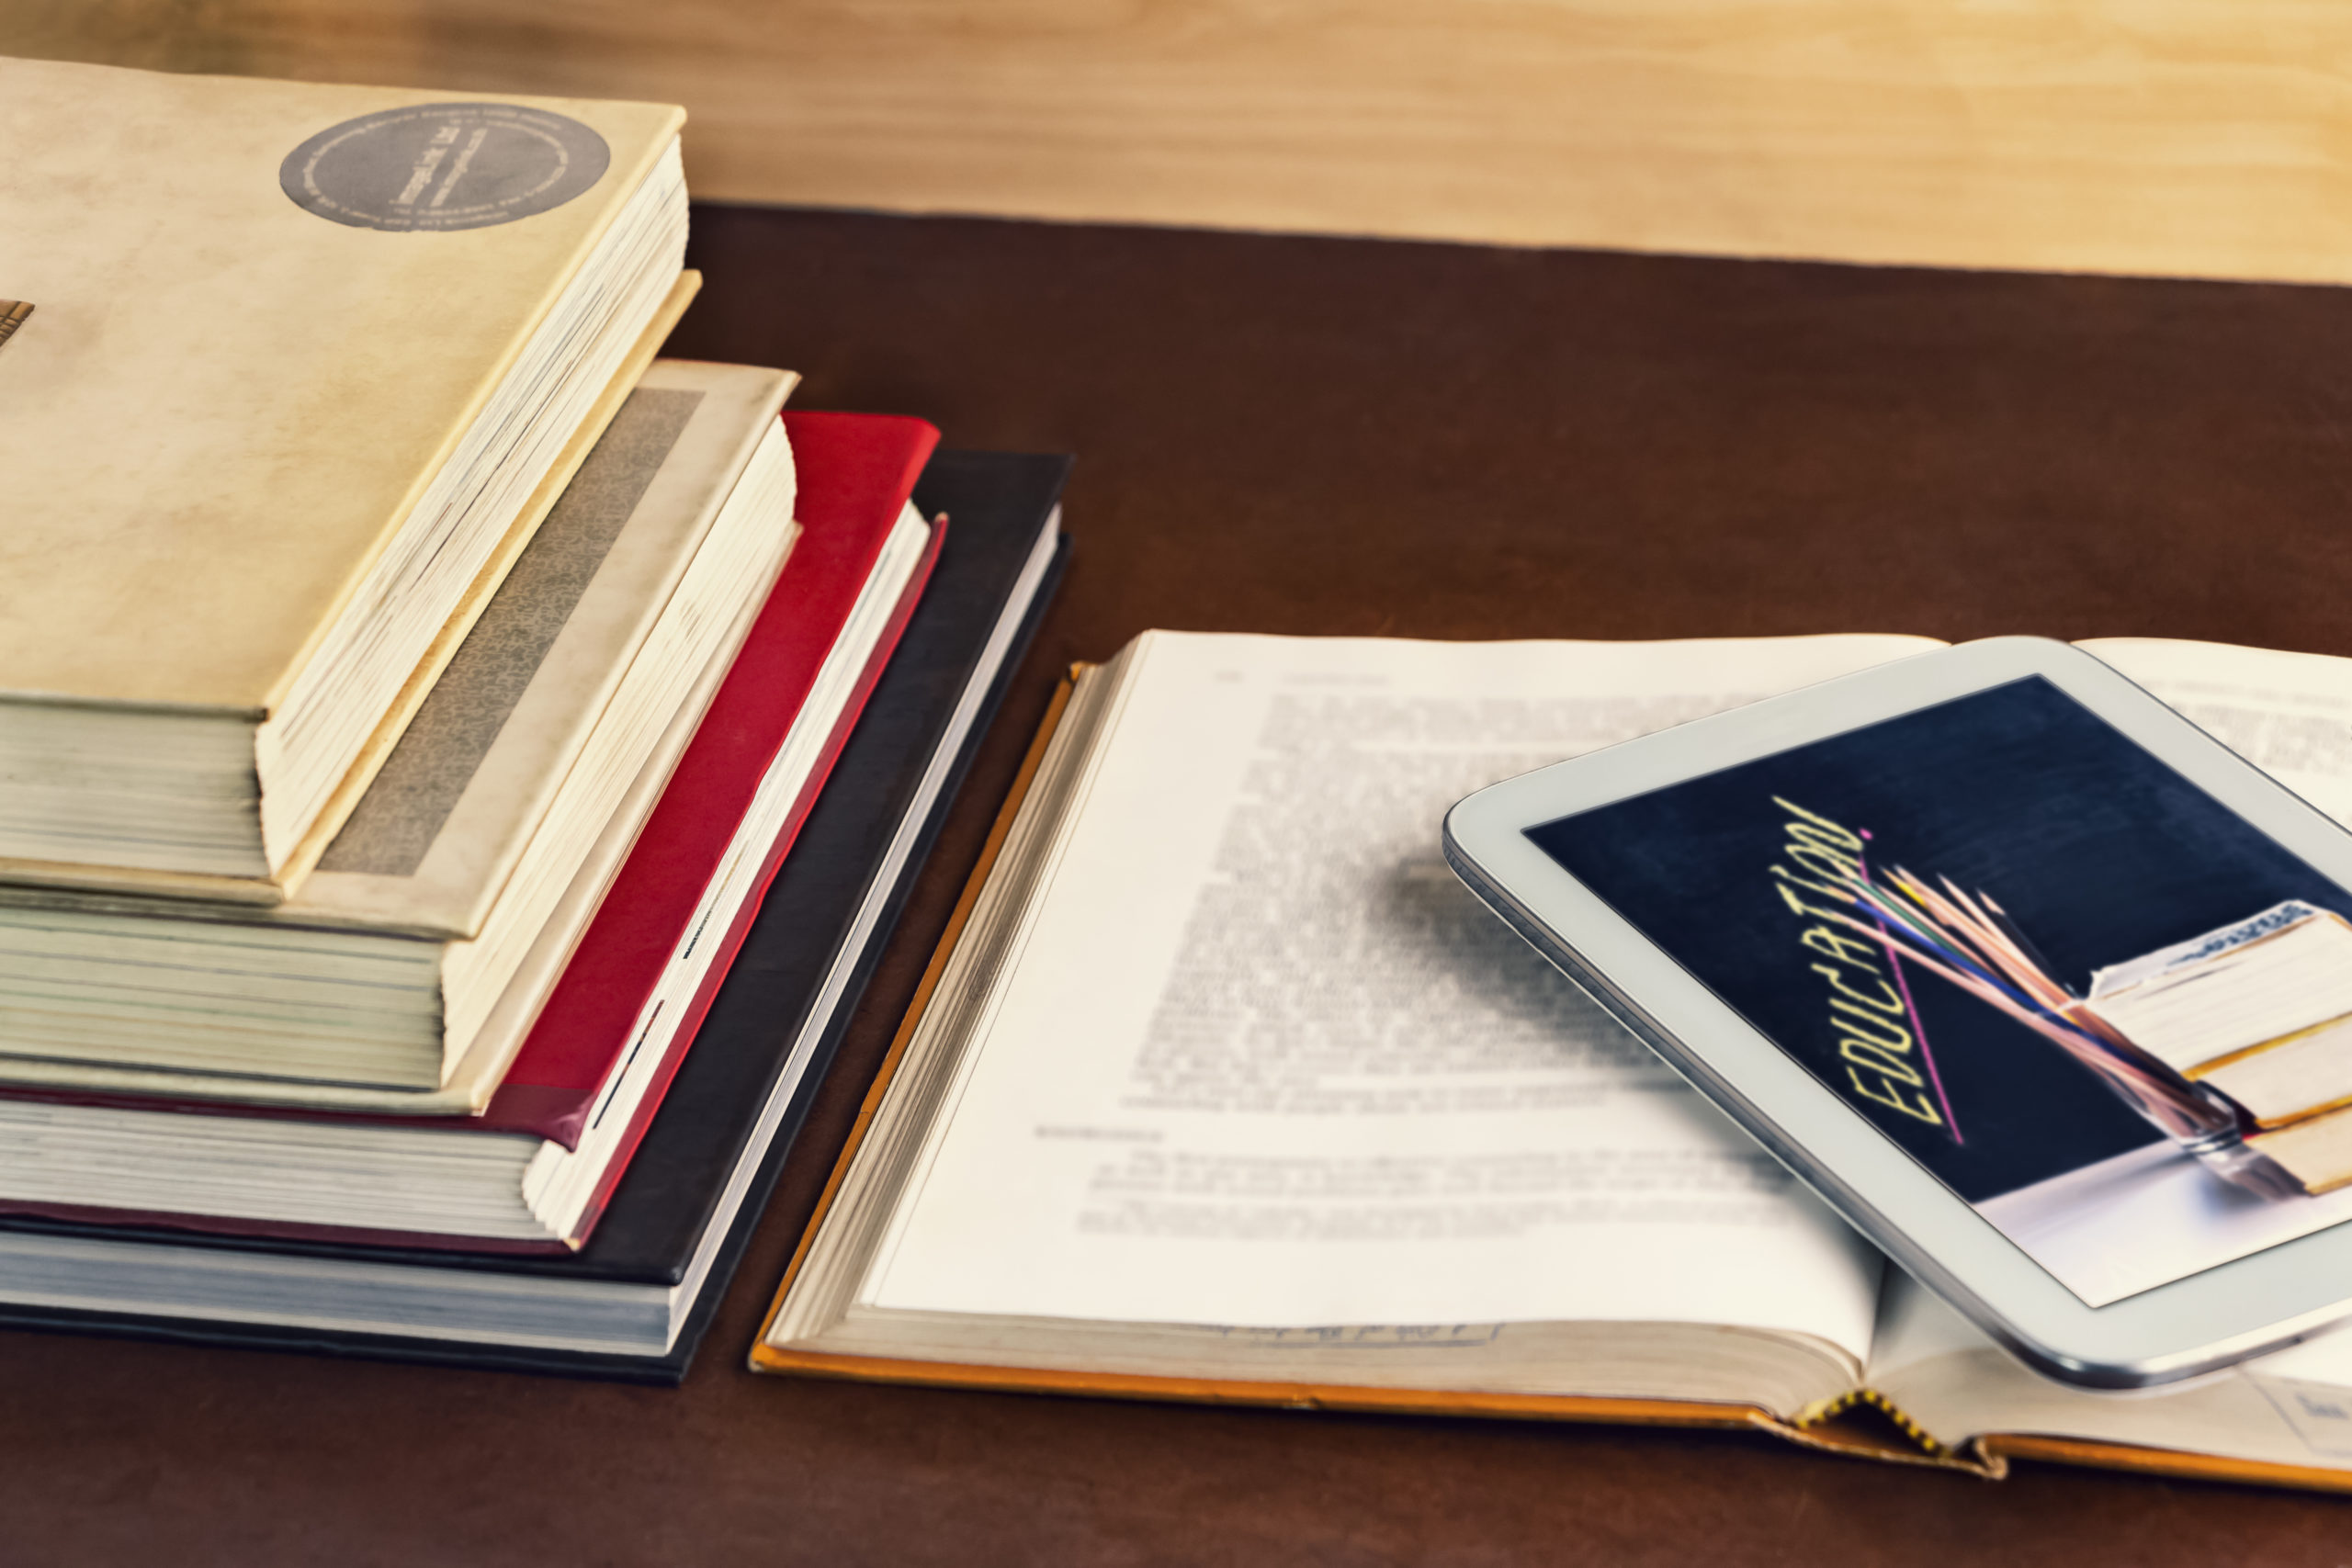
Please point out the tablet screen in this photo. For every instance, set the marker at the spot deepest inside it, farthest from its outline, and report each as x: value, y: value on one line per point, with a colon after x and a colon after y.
x: 2098, y: 1004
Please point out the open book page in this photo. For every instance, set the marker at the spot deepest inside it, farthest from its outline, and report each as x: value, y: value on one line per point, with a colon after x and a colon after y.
x: 2291, y: 1408
x: 2288, y: 714
x: 1257, y: 1059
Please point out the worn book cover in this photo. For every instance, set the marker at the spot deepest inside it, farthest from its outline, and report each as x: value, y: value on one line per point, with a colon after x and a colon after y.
x: 223, y: 401
x: 258, y: 331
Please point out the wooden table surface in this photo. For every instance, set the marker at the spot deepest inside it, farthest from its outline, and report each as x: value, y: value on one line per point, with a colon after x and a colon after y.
x: 1319, y: 435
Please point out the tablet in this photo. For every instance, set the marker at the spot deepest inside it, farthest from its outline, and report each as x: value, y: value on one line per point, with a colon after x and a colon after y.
x: 2043, y: 988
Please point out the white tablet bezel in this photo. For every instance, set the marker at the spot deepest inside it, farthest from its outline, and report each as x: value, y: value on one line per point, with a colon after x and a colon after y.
x: 2232, y: 1311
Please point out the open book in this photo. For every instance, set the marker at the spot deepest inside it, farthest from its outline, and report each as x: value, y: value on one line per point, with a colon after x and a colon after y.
x: 1222, y: 1087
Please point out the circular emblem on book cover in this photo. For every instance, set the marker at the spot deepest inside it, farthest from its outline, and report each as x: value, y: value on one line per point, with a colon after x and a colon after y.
x: 444, y: 167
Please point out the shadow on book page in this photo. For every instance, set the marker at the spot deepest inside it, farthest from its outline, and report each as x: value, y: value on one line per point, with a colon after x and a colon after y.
x: 2106, y: 1011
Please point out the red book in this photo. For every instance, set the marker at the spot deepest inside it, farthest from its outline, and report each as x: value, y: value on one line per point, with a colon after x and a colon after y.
x: 534, y: 1171
x: 855, y: 473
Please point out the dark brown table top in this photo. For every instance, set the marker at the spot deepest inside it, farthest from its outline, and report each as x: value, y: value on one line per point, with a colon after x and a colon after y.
x: 1318, y: 436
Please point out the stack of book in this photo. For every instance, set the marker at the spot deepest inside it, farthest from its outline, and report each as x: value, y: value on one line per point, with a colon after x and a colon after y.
x: 2260, y: 1012
x: 410, y: 688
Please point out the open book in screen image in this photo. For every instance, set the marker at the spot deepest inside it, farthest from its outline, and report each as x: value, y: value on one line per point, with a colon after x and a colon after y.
x: 2103, y: 1009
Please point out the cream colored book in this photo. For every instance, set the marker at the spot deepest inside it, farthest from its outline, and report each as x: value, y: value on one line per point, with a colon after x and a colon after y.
x: 290, y: 369
x: 1223, y: 1088
x: 405, y: 972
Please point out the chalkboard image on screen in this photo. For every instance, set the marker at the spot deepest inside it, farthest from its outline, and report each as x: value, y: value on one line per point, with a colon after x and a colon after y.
x: 2070, y: 841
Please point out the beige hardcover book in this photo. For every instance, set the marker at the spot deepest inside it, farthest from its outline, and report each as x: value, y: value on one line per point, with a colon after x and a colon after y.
x: 1223, y: 1088
x: 289, y: 365
x: 405, y: 972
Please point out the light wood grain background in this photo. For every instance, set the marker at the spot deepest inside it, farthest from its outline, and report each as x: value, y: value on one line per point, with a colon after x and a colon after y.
x: 2140, y: 136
